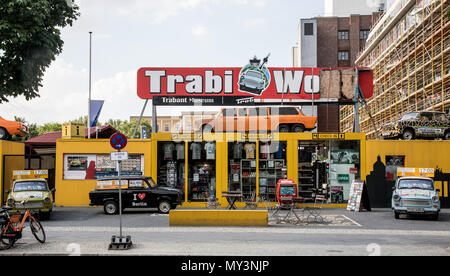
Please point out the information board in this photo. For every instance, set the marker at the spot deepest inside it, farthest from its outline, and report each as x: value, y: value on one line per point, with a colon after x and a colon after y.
x: 355, y: 196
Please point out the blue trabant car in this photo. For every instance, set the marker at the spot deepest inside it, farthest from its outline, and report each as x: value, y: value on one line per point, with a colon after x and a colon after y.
x: 417, y: 196
x: 252, y: 81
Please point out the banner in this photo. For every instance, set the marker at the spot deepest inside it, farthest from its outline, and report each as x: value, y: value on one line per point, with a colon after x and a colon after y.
x: 260, y: 83
x: 96, y: 108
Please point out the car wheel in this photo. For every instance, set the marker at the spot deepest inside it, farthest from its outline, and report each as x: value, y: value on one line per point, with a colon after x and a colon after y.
x: 3, y: 134
x: 164, y: 207
x: 397, y: 215
x: 435, y: 216
x: 283, y: 129
x: 408, y: 134
x: 111, y: 208
x: 207, y: 129
x: 447, y: 135
x: 298, y: 128
x: 44, y: 215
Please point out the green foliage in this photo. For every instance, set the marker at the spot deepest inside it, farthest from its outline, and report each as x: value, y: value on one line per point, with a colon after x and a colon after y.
x: 30, y: 38
x: 127, y: 128
x: 124, y: 127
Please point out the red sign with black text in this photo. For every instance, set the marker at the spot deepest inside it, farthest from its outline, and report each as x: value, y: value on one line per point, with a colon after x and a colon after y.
x: 256, y: 82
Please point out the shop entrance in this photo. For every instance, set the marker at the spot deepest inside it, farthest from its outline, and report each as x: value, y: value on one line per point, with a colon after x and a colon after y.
x: 327, y: 168
x: 27, y: 162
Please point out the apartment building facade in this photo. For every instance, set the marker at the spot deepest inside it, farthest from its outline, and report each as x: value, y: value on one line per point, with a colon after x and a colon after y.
x: 408, y: 50
x: 331, y: 42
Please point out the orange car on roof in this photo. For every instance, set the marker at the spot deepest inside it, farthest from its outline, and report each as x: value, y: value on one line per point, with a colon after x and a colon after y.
x: 270, y: 119
x: 10, y: 128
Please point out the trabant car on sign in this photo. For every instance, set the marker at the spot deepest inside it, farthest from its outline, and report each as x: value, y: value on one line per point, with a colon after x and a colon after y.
x: 252, y: 119
x: 137, y: 192
x: 416, y: 195
x: 30, y: 191
x: 252, y: 81
x: 424, y: 124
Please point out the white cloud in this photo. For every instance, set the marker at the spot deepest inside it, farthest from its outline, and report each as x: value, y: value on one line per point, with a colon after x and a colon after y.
x: 199, y: 30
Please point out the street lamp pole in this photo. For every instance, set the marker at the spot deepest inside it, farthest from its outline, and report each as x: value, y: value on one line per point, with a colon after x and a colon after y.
x: 90, y: 72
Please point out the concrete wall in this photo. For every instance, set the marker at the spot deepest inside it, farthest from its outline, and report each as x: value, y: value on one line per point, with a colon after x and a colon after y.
x: 417, y: 154
x: 11, y: 164
x: 307, y: 44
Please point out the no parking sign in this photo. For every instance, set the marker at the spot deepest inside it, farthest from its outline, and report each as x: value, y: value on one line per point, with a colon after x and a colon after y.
x: 118, y: 141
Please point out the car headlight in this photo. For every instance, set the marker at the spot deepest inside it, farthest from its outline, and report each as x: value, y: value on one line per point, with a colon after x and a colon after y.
x: 10, y: 201
x: 435, y: 199
x: 47, y: 200
x: 397, y: 198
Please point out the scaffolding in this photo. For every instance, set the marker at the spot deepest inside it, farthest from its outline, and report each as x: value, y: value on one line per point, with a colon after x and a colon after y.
x: 411, y: 66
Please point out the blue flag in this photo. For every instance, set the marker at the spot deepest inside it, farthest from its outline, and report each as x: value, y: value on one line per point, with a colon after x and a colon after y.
x: 96, y: 108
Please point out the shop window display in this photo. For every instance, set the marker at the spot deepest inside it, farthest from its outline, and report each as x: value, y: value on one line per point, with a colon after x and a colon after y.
x: 201, y: 171
x: 96, y: 166
x: 327, y: 168
x: 272, y: 167
x: 344, y: 168
x: 171, y: 167
x: 242, y: 168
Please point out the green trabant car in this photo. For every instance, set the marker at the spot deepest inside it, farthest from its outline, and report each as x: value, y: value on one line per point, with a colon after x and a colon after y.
x: 31, y: 194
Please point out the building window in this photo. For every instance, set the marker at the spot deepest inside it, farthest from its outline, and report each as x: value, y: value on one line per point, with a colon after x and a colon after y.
x: 343, y: 35
x: 309, y: 29
x: 343, y: 55
x: 364, y: 34
x: 166, y: 127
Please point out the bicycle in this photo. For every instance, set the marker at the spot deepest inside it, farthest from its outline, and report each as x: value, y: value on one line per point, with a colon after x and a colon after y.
x: 11, y: 227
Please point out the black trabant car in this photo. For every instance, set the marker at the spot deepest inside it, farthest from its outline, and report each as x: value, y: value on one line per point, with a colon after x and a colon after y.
x: 137, y: 192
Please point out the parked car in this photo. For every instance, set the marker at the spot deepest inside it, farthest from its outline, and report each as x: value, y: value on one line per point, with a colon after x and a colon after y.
x: 424, y: 124
x: 137, y: 192
x: 10, y: 128
x: 31, y: 194
x: 252, y: 81
x: 416, y: 195
x: 270, y: 119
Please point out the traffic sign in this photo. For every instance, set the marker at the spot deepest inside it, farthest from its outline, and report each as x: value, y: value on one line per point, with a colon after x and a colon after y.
x: 119, y: 156
x: 118, y: 141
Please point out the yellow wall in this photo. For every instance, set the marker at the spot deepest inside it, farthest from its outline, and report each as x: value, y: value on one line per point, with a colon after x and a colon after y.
x: 76, y: 192
x: 12, y: 163
x: 418, y: 154
x: 222, y: 158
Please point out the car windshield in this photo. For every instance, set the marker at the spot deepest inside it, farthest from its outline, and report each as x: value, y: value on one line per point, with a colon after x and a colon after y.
x: 410, y: 116
x: 440, y: 117
x: 253, y: 74
x: 151, y: 182
x: 30, y: 186
x: 423, y: 184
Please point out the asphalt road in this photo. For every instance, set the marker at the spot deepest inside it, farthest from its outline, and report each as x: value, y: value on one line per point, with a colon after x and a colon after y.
x: 87, y: 231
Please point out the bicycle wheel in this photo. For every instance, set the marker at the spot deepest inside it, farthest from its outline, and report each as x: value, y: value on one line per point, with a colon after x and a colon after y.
x: 6, y: 243
x: 37, y: 229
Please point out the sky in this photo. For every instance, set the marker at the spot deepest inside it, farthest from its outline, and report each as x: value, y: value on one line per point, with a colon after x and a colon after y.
x: 130, y: 34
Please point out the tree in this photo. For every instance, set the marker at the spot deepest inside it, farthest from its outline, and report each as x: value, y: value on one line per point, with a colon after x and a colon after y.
x: 30, y: 39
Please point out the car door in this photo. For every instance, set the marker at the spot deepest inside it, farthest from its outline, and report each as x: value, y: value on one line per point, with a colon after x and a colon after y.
x: 263, y: 119
x: 138, y: 194
x: 229, y: 120
x: 152, y: 196
x: 241, y: 121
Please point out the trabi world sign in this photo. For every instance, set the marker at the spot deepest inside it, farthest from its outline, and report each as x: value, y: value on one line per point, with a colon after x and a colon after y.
x: 250, y: 81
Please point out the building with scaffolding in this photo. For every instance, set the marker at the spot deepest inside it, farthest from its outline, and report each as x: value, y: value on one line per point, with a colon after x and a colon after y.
x: 408, y: 50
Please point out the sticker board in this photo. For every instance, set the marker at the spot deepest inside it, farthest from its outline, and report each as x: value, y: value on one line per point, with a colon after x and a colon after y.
x: 422, y: 172
x: 30, y: 174
x: 355, y: 196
